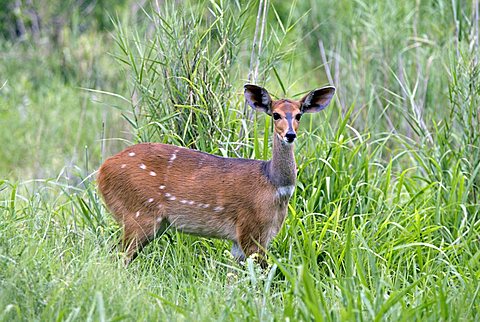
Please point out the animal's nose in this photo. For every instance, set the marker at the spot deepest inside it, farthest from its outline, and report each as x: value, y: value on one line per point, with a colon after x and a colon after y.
x: 290, y: 136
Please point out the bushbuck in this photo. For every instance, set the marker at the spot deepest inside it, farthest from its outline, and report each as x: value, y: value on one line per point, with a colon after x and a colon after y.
x: 149, y: 187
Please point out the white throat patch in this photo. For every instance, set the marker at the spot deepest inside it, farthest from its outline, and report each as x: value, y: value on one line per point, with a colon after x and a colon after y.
x: 285, y: 191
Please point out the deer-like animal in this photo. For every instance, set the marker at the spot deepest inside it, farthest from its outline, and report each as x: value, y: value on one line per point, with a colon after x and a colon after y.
x: 149, y: 187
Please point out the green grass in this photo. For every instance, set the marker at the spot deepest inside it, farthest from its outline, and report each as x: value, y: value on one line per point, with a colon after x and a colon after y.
x: 385, y: 220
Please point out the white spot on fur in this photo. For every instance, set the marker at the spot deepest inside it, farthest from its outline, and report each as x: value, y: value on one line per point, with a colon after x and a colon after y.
x: 172, y: 198
x: 206, y: 205
x: 159, y: 219
x: 123, y: 166
x: 153, y: 174
x: 167, y: 194
x: 150, y: 200
x: 191, y: 202
x: 142, y: 166
x: 200, y: 162
x: 172, y: 158
x: 162, y: 187
x: 200, y: 205
x: 285, y: 191
x: 137, y: 214
x: 183, y: 201
x: 132, y: 154
x: 218, y: 208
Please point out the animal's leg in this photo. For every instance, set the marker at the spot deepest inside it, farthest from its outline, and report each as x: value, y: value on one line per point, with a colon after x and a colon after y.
x: 254, y: 241
x: 137, y: 234
x: 237, y: 252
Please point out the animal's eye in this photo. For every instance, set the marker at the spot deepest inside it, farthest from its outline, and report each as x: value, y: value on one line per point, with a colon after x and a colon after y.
x: 276, y: 116
x: 298, y: 117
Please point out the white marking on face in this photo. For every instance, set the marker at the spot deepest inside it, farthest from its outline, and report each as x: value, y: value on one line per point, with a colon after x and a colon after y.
x: 153, y: 174
x: 218, y: 208
x: 132, y: 154
x: 150, y: 200
x: 284, y: 140
x: 137, y: 214
x: 123, y: 166
x: 142, y: 166
x: 162, y: 187
x: 285, y: 191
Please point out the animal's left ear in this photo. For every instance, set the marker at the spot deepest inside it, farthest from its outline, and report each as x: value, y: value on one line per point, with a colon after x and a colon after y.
x: 317, y: 100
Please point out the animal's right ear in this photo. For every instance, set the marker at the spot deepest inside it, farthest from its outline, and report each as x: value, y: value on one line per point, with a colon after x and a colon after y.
x: 258, y: 98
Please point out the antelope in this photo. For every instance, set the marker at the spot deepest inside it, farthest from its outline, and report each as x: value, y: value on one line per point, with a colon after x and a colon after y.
x: 149, y: 187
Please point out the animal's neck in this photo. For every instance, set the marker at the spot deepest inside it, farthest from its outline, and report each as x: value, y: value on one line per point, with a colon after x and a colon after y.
x: 282, y: 170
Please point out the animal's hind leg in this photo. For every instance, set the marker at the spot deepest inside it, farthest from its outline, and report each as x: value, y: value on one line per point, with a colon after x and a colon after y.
x: 138, y: 233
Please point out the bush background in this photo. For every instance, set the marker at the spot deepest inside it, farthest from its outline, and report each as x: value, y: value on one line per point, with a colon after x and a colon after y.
x: 383, y: 225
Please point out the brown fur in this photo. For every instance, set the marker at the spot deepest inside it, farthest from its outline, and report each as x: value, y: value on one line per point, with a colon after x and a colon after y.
x: 149, y: 187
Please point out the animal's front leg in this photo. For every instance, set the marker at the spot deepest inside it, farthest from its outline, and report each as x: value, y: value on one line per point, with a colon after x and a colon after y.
x: 251, y: 245
x: 237, y: 252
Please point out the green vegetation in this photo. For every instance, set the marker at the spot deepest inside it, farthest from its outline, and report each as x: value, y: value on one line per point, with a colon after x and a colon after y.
x: 384, y: 223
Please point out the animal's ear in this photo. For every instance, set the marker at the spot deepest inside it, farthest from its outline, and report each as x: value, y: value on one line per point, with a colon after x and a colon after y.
x: 317, y: 100
x: 258, y: 98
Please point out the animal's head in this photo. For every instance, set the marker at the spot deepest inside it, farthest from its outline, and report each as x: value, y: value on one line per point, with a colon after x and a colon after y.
x: 287, y: 113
